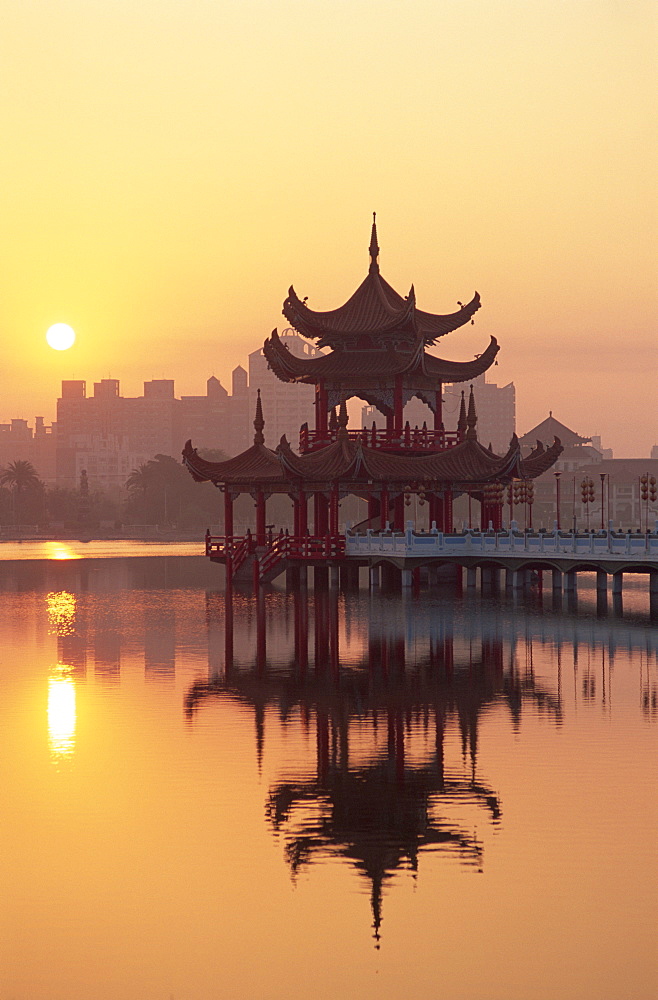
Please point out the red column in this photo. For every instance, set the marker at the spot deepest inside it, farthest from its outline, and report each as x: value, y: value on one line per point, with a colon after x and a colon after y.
x: 321, y: 410
x: 398, y: 517
x: 397, y: 402
x: 447, y: 510
x: 320, y: 512
x: 436, y: 511
x: 302, y: 518
x: 228, y: 513
x: 260, y: 518
x: 333, y: 511
x: 374, y: 507
x: 384, y: 506
x: 438, y: 409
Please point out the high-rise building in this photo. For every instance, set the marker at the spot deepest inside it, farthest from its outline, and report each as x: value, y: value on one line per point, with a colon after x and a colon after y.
x: 20, y: 442
x: 496, y: 410
x: 109, y: 435
x: 286, y: 407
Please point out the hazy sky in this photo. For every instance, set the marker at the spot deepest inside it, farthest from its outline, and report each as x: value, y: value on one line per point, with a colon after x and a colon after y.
x: 170, y: 168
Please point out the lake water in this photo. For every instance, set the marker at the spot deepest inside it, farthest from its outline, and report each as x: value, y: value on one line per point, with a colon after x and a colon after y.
x: 327, y: 795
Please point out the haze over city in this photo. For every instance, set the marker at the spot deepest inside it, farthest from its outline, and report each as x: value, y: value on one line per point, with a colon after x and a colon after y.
x: 170, y: 171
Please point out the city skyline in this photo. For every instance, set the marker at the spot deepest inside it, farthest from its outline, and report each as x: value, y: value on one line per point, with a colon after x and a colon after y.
x: 162, y: 202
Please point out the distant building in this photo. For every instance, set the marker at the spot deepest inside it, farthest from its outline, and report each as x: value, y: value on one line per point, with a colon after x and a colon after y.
x: 109, y: 435
x: 20, y: 442
x: 578, y: 451
x: 286, y: 407
x: 496, y: 410
x: 616, y: 481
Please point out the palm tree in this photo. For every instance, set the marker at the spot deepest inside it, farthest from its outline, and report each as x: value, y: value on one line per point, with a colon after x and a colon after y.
x: 20, y: 476
x: 140, y: 479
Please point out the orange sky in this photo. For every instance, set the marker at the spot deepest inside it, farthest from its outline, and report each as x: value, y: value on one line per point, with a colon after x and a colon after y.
x: 169, y: 169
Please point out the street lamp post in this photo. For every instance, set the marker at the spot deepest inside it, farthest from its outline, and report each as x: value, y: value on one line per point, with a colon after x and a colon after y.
x: 557, y: 497
x: 602, y: 475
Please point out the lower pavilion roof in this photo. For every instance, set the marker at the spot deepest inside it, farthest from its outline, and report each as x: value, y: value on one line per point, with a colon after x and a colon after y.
x: 467, y: 464
x: 363, y: 366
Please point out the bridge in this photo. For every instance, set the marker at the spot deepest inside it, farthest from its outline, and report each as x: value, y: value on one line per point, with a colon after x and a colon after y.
x: 519, y: 553
x: 522, y: 554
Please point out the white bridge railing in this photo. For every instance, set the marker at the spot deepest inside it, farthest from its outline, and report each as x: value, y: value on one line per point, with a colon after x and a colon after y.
x: 605, y: 545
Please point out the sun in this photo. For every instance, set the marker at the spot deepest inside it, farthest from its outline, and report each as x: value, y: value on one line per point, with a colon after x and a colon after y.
x: 60, y: 336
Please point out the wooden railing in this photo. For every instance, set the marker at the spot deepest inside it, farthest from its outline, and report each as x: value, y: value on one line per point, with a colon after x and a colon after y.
x: 305, y: 548
x: 235, y: 548
x: 301, y: 547
x: 415, y: 438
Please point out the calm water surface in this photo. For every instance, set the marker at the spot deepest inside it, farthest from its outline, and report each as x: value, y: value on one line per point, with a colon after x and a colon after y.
x: 330, y: 796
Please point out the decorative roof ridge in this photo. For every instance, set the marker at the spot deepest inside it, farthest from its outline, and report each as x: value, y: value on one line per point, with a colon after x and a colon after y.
x: 535, y: 464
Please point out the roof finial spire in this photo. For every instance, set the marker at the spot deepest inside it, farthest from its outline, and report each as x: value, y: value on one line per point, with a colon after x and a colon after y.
x: 461, y: 423
x: 259, y: 423
x: 471, y: 419
x: 342, y: 419
x: 374, y: 246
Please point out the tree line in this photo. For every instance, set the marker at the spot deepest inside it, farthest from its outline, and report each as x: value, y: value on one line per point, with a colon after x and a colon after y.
x: 159, y: 491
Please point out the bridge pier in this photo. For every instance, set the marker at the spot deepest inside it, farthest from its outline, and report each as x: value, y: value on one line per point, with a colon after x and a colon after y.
x: 373, y: 577
x: 601, y: 581
x: 556, y: 579
x: 471, y: 577
x: 407, y: 579
x: 617, y: 583
x: 334, y: 576
x: 570, y: 581
x: 653, y: 594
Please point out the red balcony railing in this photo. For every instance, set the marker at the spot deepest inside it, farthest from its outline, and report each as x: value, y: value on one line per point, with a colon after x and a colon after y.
x: 413, y: 438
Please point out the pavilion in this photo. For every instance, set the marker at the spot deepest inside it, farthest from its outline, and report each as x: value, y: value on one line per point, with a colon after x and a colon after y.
x: 377, y: 346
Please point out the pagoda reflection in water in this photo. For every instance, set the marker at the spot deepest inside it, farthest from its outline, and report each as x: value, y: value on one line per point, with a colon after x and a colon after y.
x: 384, y: 683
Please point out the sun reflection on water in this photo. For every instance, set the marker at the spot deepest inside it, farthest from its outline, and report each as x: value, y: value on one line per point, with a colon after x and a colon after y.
x: 61, y: 612
x: 61, y: 714
x: 60, y: 550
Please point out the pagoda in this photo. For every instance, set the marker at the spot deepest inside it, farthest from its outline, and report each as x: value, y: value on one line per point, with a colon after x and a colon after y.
x: 377, y: 350
x: 377, y: 342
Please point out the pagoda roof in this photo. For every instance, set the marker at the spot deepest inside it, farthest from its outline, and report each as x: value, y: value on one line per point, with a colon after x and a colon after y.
x: 348, y: 460
x: 551, y: 428
x: 257, y: 464
x: 375, y: 309
x: 361, y: 365
x: 466, y: 463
